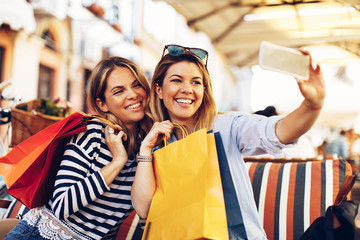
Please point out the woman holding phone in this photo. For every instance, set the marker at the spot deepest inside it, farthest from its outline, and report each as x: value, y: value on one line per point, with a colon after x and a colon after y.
x: 181, y: 92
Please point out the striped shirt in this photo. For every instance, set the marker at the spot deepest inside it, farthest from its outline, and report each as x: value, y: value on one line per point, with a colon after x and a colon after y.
x: 81, y: 198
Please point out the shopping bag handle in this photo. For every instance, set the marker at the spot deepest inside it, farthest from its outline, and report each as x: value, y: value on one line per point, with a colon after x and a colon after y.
x: 182, y: 130
x: 107, y: 122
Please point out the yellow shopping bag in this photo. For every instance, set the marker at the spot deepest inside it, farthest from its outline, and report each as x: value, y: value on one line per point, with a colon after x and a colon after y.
x: 188, y: 202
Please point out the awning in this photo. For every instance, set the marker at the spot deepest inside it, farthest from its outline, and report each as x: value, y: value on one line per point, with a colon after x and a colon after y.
x: 236, y: 28
x: 18, y: 14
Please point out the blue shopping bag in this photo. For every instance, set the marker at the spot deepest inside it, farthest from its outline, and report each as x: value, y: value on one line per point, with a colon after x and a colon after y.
x: 235, y: 221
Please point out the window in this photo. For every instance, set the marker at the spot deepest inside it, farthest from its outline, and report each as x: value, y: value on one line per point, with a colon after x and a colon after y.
x: 49, y: 38
x: 87, y: 74
x: 2, y: 50
x: 45, y: 79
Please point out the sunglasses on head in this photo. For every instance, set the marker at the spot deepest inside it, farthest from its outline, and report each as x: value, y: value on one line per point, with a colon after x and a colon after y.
x: 177, y: 50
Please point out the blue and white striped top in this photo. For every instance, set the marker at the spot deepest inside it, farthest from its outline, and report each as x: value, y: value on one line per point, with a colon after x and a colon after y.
x: 81, y: 198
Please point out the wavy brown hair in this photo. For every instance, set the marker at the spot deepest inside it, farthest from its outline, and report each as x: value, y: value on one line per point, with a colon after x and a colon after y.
x: 206, y: 113
x: 96, y: 89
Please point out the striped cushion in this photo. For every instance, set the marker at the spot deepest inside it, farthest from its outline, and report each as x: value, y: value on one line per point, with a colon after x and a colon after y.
x: 15, y: 210
x: 291, y: 195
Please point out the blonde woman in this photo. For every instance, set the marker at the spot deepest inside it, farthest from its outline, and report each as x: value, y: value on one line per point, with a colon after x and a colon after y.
x: 181, y: 92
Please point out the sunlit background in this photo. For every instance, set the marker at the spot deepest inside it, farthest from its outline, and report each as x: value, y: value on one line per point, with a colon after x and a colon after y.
x: 48, y: 48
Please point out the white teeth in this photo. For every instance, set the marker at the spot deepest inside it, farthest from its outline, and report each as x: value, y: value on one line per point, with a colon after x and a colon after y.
x: 188, y: 101
x: 134, y: 106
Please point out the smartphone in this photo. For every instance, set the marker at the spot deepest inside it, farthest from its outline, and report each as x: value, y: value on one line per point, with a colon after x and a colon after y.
x: 284, y: 60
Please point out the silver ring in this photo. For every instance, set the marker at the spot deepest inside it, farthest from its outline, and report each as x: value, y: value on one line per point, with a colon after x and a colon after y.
x: 111, y: 131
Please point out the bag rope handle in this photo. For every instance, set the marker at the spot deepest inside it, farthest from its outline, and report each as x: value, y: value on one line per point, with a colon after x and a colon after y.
x: 346, y: 186
x: 182, y: 130
x: 107, y: 122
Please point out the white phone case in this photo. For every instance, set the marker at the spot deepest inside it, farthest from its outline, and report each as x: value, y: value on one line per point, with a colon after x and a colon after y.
x: 284, y: 60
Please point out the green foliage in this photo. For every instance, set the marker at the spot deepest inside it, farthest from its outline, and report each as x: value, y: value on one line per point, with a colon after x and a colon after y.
x: 54, y: 107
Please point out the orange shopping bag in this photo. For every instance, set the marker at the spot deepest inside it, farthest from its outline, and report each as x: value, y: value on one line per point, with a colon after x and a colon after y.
x: 30, y: 168
x: 188, y: 202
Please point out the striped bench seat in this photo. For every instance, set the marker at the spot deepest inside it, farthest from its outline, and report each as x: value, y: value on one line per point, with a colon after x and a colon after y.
x: 290, y: 194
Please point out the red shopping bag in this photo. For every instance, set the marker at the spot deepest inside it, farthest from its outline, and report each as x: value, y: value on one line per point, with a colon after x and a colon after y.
x: 30, y: 168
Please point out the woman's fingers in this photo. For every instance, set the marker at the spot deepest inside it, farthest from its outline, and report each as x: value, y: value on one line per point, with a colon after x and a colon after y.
x: 306, y: 52
x: 111, y: 134
x: 108, y: 132
x: 312, y: 89
x: 165, y: 128
x: 114, y: 141
x: 122, y: 135
x: 158, y: 131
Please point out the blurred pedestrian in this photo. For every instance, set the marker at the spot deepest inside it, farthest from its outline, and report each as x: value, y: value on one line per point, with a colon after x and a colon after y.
x: 268, y: 111
x: 339, y: 145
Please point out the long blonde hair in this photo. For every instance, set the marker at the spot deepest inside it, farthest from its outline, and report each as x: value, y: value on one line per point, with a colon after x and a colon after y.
x: 96, y: 89
x: 206, y: 113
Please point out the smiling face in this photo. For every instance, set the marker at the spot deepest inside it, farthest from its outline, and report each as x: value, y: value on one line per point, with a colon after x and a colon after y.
x: 124, y: 97
x: 182, y: 92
